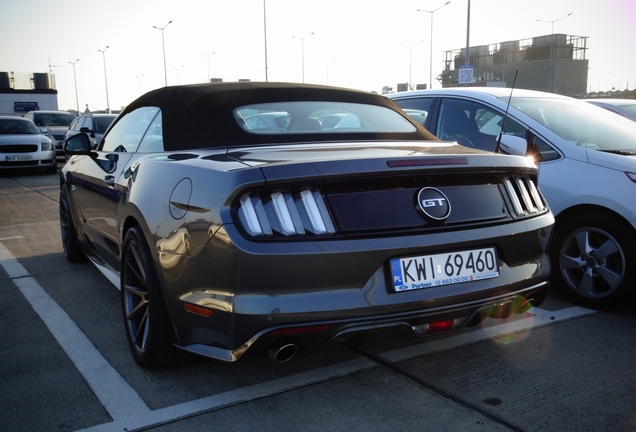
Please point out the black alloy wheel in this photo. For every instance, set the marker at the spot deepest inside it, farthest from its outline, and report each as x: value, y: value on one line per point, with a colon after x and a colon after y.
x: 148, y: 327
x: 593, y: 258
x: 70, y: 242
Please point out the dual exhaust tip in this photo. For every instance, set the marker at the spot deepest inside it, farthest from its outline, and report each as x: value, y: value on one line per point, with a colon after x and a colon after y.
x: 282, y: 351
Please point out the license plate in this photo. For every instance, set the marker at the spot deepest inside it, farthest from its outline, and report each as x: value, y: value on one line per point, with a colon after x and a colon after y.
x: 19, y: 158
x: 443, y: 269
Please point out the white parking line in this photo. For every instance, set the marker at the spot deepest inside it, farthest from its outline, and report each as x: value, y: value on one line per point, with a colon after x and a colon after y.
x: 115, y: 394
x: 11, y: 238
x: 233, y: 397
x: 130, y: 412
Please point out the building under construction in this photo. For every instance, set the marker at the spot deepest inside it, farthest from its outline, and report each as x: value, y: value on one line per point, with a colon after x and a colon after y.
x: 553, y: 63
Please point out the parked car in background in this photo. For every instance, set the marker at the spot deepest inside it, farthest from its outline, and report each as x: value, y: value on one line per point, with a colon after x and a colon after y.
x: 22, y: 145
x: 54, y: 124
x: 587, y: 171
x: 229, y: 240
x: 92, y: 124
x: 624, y: 107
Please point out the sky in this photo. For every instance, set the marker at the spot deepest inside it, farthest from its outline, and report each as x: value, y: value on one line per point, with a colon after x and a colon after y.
x: 358, y: 44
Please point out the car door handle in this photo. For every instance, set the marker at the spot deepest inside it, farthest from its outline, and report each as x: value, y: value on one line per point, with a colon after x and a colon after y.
x: 109, y: 179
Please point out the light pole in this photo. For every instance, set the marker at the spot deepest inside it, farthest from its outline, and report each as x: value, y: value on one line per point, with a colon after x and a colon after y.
x: 430, y: 73
x: 467, y: 60
x: 75, y: 80
x: 552, y: 22
x: 163, y: 44
x: 551, y: 88
x: 411, y: 61
x: 178, y: 69
x: 330, y: 58
x: 265, y: 37
x: 207, y: 57
x: 139, y: 78
x: 105, y: 79
x: 302, y: 41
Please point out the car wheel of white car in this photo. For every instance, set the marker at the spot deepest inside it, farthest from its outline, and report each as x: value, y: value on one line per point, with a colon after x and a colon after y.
x: 593, y: 260
x: 148, y: 327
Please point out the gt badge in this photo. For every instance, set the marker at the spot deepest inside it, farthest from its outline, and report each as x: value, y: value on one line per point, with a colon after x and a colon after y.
x: 434, y: 203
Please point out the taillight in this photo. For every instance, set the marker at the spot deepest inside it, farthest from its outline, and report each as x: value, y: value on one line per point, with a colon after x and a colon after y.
x: 524, y: 195
x: 281, y: 213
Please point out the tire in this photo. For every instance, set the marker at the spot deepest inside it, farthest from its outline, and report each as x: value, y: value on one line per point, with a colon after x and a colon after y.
x: 148, y: 327
x: 593, y: 256
x: 72, y: 249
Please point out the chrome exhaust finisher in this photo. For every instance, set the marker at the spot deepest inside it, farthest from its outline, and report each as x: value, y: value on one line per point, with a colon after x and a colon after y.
x: 282, y: 351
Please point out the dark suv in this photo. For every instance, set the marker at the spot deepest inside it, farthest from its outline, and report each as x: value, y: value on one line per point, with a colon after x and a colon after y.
x: 92, y: 124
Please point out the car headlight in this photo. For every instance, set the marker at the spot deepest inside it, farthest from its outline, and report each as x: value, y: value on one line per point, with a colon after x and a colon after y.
x: 283, y: 213
x: 46, y: 146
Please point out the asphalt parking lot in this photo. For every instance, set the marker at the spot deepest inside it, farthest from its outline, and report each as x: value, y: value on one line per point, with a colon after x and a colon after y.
x: 65, y: 365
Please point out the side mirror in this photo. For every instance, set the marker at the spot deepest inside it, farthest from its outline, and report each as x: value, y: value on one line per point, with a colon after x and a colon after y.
x: 88, y: 131
x: 513, y: 145
x: 78, y: 144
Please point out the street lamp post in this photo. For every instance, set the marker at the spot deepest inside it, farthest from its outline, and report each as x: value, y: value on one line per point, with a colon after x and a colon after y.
x: 302, y: 41
x: 105, y: 79
x: 551, y: 87
x: 411, y: 61
x: 75, y: 80
x: 178, y: 69
x: 163, y: 44
x: 265, y: 36
x: 139, y: 78
x: 329, y: 59
x: 430, y: 73
x: 552, y: 22
x: 207, y: 57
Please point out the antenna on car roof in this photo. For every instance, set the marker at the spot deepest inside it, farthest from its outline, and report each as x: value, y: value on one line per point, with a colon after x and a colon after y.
x: 503, y: 122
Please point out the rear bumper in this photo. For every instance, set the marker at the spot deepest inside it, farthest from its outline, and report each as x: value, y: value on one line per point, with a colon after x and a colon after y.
x: 308, y: 336
x: 259, y: 295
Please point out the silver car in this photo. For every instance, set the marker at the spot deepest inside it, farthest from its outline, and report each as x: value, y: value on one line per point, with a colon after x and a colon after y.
x: 54, y: 124
x: 228, y: 238
x: 624, y: 107
x: 22, y: 145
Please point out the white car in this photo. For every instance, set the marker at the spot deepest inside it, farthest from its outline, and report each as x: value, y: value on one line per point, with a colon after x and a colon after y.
x: 22, y: 145
x: 54, y: 124
x: 624, y: 107
x: 587, y: 170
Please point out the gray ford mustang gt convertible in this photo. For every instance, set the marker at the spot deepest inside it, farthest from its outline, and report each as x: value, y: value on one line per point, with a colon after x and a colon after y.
x: 250, y: 218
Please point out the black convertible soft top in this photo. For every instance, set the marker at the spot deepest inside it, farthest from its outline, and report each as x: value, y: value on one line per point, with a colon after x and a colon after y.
x: 202, y: 115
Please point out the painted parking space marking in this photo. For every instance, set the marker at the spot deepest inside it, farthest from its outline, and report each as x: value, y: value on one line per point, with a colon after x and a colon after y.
x: 130, y: 412
x: 233, y: 397
x: 114, y: 393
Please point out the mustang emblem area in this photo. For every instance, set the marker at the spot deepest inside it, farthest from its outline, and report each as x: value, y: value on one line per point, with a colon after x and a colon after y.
x: 434, y: 203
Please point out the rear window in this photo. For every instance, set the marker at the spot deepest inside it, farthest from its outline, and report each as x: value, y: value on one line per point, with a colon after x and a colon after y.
x: 53, y: 119
x: 317, y: 117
